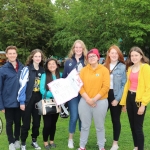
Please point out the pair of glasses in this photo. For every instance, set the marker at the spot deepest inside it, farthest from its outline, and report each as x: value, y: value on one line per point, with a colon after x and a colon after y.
x: 92, y: 56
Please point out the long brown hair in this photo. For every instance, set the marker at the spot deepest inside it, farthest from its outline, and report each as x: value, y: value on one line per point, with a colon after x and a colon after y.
x: 71, y: 52
x: 33, y: 52
x: 120, y: 58
x: 48, y: 73
x: 144, y: 59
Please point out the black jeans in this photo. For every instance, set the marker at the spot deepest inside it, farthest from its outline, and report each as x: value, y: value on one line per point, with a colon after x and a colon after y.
x: 136, y: 121
x: 13, y: 116
x: 26, y: 118
x: 49, y: 128
x: 115, y: 112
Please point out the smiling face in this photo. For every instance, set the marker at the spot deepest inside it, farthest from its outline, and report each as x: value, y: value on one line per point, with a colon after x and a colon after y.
x: 113, y: 55
x: 135, y: 57
x: 52, y: 66
x: 37, y: 58
x: 92, y: 59
x: 11, y: 55
x: 78, y: 50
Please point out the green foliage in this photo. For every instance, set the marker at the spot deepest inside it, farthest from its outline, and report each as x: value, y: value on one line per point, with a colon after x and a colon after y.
x: 27, y: 24
x: 31, y: 24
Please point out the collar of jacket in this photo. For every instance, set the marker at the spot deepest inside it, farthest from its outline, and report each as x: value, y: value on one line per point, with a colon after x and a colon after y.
x: 31, y: 66
x: 81, y: 58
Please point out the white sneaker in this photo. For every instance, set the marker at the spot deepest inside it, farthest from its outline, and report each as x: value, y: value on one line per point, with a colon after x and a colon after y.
x: 114, y: 147
x: 12, y: 146
x: 70, y: 143
x: 23, y: 147
x: 17, y: 144
x: 35, y: 145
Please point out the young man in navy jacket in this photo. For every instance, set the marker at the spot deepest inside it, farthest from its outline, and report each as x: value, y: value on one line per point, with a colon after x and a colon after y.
x: 9, y: 86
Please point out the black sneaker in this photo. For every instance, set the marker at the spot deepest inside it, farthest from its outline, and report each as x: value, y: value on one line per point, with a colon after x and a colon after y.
x: 35, y: 145
x: 52, y: 145
x: 47, y: 147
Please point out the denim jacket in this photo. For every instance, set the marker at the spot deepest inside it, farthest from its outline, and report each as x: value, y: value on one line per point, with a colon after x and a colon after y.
x: 119, y: 80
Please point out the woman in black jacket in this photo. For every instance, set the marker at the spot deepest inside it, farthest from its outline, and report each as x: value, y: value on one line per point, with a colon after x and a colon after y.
x: 31, y: 95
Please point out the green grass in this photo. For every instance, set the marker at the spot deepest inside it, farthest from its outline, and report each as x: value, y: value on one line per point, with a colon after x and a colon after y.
x: 61, y: 137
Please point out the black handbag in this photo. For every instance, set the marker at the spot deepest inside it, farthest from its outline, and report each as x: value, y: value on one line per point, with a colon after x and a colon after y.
x: 64, y: 111
x: 47, y: 106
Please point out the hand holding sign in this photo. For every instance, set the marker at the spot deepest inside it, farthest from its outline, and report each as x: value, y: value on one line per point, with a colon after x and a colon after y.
x: 64, y: 90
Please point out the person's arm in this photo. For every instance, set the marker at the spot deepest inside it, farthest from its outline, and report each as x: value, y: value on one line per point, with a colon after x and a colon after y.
x: 24, y: 77
x: 65, y: 71
x: 123, y: 81
x: 1, y: 87
x: 42, y: 87
x: 146, y: 95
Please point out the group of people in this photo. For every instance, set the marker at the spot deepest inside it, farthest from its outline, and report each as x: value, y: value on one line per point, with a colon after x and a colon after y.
x: 116, y: 86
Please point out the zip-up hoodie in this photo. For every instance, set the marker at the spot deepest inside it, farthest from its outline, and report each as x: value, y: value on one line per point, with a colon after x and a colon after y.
x: 9, y: 85
x: 95, y: 81
x: 70, y: 64
x: 25, y: 92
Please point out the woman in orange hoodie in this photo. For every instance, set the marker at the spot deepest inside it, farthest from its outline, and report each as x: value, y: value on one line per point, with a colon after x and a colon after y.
x: 94, y: 103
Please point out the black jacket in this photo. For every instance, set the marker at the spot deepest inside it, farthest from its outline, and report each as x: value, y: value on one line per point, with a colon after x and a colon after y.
x: 30, y: 84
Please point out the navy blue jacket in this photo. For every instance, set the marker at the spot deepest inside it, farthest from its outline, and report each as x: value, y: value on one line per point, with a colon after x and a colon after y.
x: 9, y: 85
x: 30, y: 83
x: 70, y: 64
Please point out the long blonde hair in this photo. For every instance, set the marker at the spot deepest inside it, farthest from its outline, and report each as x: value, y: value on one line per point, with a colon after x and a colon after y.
x: 71, y: 52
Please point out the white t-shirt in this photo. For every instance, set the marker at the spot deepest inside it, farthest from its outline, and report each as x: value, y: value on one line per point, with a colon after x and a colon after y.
x: 111, y: 75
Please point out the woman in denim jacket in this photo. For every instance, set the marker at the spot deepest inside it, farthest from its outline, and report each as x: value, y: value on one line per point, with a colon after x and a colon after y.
x: 116, y: 65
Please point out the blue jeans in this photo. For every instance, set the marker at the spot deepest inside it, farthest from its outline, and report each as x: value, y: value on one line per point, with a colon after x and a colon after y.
x: 74, y: 115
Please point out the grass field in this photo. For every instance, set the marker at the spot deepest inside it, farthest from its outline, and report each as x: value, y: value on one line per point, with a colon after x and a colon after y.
x: 61, y: 137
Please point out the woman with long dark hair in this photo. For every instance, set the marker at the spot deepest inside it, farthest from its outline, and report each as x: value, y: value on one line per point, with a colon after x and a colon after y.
x: 49, y: 129
x: 136, y: 94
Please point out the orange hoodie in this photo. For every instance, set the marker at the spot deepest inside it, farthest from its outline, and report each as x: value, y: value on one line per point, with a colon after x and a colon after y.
x: 95, y: 81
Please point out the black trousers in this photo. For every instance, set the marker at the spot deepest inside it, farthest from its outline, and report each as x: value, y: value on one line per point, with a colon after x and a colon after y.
x: 13, y: 116
x: 115, y: 112
x: 49, y: 128
x: 136, y: 121
x: 29, y: 112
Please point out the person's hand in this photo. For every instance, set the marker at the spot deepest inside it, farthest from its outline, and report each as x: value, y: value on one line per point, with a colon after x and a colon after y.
x: 91, y: 102
x: 114, y: 103
x: 141, y: 110
x: 3, y: 110
x: 22, y: 107
x: 124, y: 108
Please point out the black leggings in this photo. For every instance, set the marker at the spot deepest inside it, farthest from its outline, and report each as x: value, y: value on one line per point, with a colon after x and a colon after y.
x: 49, y: 128
x: 115, y: 112
x: 31, y: 111
x: 136, y: 121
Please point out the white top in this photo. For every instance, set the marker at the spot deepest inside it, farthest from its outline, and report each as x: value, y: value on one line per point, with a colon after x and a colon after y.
x: 111, y: 75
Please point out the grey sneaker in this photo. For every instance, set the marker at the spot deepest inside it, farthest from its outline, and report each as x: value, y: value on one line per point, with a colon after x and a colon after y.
x: 23, y: 147
x: 35, y: 145
x: 53, y: 145
x: 17, y: 144
x: 12, y: 146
